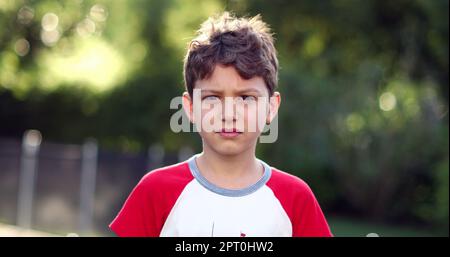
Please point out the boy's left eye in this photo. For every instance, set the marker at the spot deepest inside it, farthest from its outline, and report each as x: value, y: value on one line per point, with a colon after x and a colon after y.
x: 248, y: 98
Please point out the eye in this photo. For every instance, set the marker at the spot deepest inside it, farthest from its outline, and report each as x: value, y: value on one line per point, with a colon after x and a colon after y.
x: 210, y: 97
x: 248, y: 97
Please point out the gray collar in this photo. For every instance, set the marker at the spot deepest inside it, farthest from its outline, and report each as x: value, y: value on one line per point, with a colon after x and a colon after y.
x: 224, y: 191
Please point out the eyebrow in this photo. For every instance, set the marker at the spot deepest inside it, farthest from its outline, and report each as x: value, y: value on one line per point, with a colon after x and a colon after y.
x: 206, y: 91
x: 249, y: 90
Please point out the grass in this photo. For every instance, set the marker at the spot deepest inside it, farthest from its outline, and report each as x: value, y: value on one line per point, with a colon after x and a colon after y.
x: 346, y: 227
x: 340, y: 227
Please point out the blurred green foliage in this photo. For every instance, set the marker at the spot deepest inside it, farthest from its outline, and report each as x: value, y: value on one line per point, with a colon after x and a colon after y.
x: 364, y: 116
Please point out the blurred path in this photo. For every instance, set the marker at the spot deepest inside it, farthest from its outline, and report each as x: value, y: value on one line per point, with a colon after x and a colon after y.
x: 13, y: 231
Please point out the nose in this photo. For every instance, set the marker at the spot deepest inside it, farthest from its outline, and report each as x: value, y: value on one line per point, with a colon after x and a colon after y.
x: 228, y: 110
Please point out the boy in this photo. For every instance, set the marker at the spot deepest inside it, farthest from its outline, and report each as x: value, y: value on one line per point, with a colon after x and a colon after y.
x: 225, y: 190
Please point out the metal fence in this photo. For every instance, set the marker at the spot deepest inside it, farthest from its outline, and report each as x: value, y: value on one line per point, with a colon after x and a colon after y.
x: 63, y: 188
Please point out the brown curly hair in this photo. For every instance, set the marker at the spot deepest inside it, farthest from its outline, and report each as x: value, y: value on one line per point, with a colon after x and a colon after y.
x: 245, y: 43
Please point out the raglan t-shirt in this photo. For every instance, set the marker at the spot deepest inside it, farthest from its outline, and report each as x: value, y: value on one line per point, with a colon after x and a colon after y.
x: 178, y: 201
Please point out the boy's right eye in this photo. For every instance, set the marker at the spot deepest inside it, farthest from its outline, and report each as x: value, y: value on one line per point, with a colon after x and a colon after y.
x: 210, y: 97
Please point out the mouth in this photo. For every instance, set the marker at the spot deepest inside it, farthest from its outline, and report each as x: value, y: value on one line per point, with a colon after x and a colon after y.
x: 230, y: 133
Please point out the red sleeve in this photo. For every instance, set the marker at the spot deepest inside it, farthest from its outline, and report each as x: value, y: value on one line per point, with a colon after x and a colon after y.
x: 310, y: 220
x: 300, y: 205
x: 136, y: 218
x: 147, y: 207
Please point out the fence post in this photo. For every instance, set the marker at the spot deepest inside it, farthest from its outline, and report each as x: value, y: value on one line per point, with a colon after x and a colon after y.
x: 87, y: 185
x: 155, y: 156
x: 185, y: 153
x: 28, y: 171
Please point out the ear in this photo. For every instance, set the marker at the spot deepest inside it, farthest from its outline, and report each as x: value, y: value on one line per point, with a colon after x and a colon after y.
x: 274, y: 104
x: 188, y: 106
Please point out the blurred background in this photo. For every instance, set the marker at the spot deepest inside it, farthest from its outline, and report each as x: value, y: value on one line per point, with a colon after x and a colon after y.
x: 85, y: 88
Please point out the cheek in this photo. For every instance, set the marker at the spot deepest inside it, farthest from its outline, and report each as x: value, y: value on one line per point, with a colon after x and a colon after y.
x: 250, y: 114
x: 254, y: 118
x: 210, y: 115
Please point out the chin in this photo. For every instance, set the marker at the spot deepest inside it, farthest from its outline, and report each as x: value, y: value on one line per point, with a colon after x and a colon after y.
x: 228, y: 148
x: 228, y: 151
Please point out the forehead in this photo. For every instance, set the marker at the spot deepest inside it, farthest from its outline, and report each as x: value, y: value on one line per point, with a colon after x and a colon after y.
x: 227, y: 79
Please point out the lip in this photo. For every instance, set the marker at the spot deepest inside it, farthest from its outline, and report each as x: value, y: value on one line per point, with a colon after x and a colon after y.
x: 229, y: 134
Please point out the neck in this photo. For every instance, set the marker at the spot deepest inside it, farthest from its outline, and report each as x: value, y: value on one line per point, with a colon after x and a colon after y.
x: 230, y: 171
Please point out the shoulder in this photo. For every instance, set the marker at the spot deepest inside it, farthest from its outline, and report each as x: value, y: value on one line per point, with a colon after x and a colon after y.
x: 166, y: 178
x: 300, y: 204
x: 146, y: 208
x: 285, y: 183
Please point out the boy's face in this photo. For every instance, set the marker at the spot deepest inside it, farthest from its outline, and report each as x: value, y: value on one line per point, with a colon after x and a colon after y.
x: 230, y: 112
